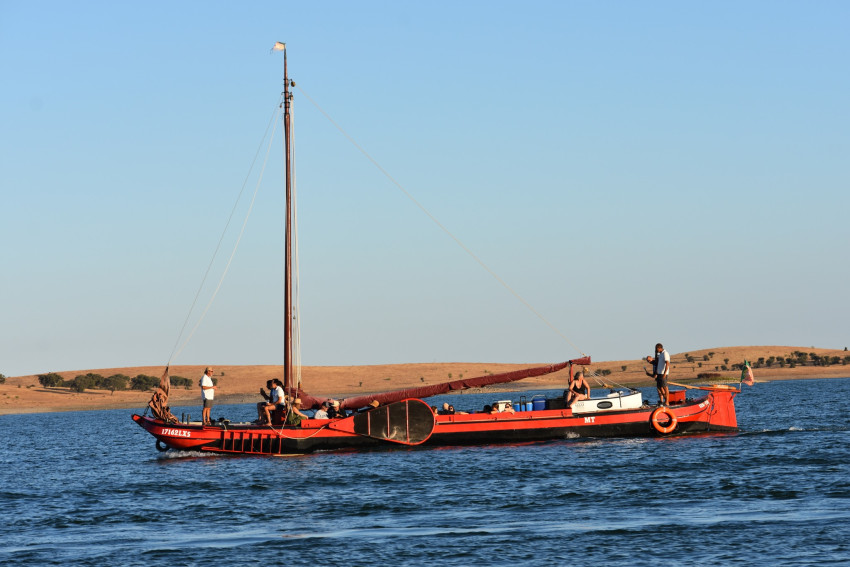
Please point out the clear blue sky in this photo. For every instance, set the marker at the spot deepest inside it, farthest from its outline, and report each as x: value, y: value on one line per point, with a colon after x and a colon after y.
x: 637, y: 171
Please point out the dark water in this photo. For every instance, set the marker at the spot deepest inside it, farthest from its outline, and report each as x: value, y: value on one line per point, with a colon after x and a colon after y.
x: 88, y: 488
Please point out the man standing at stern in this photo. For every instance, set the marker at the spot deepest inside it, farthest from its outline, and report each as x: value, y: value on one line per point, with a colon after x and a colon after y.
x: 207, y: 393
x: 660, y: 371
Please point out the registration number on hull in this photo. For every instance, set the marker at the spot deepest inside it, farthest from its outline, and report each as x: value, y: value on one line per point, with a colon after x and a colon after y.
x: 176, y: 433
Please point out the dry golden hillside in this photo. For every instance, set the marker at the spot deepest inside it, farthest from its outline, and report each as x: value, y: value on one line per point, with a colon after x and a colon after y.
x: 238, y: 384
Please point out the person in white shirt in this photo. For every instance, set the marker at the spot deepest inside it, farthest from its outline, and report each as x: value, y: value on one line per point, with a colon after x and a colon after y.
x: 322, y: 412
x: 208, y: 394
x: 276, y: 401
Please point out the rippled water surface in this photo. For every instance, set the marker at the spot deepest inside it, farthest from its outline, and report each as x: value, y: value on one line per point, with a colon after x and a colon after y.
x: 88, y: 488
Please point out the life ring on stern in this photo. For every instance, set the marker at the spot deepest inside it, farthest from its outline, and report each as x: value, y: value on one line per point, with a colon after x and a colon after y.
x: 653, y: 419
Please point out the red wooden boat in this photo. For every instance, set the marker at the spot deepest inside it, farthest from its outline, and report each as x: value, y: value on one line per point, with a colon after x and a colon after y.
x: 402, y: 419
x: 411, y: 422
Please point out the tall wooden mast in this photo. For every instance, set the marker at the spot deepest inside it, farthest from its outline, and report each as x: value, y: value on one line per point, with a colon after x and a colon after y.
x: 287, y: 337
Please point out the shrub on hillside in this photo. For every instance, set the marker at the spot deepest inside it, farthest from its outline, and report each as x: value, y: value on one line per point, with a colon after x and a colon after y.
x: 186, y: 383
x: 144, y: 382
x: 116, y: 382
x: 84, y: 381
x: 51, y: 380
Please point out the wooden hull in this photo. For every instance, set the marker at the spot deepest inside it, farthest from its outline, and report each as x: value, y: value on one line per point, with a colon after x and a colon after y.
x: 712, y: 413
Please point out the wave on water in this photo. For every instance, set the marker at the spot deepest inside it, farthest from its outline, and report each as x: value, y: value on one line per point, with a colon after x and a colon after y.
x: 792, y: 429
x: 170, y: 455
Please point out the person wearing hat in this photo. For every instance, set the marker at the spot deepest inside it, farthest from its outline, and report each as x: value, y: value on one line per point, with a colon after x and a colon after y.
x: 294, y: 415
x: 322, y: 412
x: 372, y: 405
x: 207, y: 394
x: 336, y: 411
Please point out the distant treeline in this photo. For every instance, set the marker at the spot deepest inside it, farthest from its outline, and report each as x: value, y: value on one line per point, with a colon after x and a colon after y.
x: 797, y: 358
x: 91, y: 381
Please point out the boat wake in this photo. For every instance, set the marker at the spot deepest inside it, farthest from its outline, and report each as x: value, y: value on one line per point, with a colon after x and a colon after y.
x: 171, y: 455
x: 795, y: 429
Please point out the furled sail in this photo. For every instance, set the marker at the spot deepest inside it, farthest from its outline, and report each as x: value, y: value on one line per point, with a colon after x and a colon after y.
x: 445, y: 387
x: 159, y: 400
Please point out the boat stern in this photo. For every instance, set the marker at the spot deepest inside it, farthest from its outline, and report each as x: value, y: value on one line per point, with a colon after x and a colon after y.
x: 180, y: 436
x: 723, y: 415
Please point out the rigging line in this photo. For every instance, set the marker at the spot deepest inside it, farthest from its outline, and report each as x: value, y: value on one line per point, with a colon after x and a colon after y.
x: 439, y: 224
x: 604, y: 383
x: 223, y: 233
x: 235, y: 246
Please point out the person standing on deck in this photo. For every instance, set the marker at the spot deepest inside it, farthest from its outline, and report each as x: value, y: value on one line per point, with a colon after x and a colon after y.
x: 207, y: 394
x: 660, y: 371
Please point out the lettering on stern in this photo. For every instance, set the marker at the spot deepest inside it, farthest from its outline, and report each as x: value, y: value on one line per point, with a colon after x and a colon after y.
x: 176, y: 432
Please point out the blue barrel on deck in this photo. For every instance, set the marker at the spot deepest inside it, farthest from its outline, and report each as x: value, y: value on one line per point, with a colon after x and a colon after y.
x: 528, y: 406
x: 538, y: 404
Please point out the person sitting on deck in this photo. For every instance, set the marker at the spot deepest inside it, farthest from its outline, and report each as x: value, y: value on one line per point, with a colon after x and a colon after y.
x: 372, y: 405
x: 509, y: 408
x: 281, y: 401
x: 495, y: 408
x: 335, y: 411
x: 579, y: 389
x: 322, y: 412
x: 457, y: 412
x: 487, y: 409
x: 447, y: 409
x: 294, y: 415
x: 268, y: 400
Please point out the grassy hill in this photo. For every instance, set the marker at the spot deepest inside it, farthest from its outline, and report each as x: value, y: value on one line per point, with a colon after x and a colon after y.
x: 240, y: 384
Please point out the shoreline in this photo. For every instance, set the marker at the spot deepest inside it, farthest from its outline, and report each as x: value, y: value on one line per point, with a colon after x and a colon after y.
x: 231, y: 399
x: 241, y: 384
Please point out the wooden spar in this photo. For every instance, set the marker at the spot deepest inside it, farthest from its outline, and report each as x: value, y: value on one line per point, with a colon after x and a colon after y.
x: 709, y: 388
x: 287, y: 336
